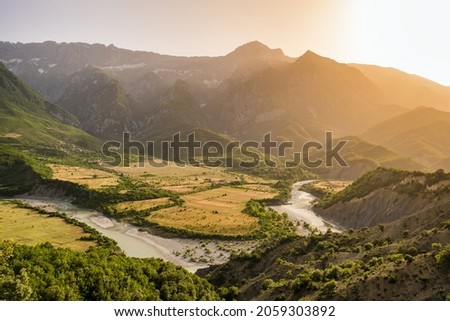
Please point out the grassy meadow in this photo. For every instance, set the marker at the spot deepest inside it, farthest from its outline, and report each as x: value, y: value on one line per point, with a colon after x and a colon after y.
x: 28, y: 227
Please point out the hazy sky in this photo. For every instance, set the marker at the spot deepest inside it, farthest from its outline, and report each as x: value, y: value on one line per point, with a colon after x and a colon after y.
x: 409, y: 35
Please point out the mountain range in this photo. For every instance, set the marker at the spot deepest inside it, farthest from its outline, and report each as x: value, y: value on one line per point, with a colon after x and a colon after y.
x: 59, y: 102
x: 105, y: 91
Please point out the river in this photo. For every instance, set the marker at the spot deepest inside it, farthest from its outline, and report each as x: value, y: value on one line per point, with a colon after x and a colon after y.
x: 299, y: 209
x: 133, y: 242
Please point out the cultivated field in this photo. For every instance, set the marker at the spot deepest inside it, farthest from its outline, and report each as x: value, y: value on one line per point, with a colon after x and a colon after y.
x: 214, y: 198
x: 142, y: 205
x: 26, y: 226
x: 94, y: 178
x: 215, y: 211
x: 333, y: 186
x: 186, y: 179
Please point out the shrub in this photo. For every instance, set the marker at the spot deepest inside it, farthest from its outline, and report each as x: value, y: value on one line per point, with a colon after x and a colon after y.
x: 392, y: 278
x: 409, y: 258
x: 412, y: 251
x: 267, y: 284
x: 396, y: 258
x: 368, y: 246
x: 443, y: 257
x: 328, y: 288
x: 332, y: 273
x: 375, y: 261
x: 446, y: 224
x: 302, y: 281
x: 316, y: 275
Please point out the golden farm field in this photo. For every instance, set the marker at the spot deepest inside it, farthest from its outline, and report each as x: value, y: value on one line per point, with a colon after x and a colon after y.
x: 94, y: 178
x: 186, y: 179
x: 26, y: 226
x: 215, y: 211
x: 333, y: 186
x: 142, y: 205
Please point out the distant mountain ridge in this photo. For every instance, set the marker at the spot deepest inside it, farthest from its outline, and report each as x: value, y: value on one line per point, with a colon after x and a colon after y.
x: 302, y: 99
x: 422, y: 134
x: 406, y: 89
x: 49, y: 59
x: 243, y: 95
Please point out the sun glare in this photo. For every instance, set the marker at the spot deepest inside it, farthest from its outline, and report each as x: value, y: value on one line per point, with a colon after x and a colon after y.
x: 404, y: 34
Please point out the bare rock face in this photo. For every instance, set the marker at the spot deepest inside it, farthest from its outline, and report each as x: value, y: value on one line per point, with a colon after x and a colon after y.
x: 379, y: 207
x: 384, y: 196
x: 99, y: 102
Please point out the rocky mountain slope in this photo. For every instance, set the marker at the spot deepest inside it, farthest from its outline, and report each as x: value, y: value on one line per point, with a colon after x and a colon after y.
x: 301, y: 101
x: 99, y: 102
x: 43, y: 64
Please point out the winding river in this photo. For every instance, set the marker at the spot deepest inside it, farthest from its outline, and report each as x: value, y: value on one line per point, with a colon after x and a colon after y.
x: 299, y: 210
x: 133, y: 242
x: 136, y: 243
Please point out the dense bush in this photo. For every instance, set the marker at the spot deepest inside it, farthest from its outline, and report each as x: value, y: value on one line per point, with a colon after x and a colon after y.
x: 272, y: 224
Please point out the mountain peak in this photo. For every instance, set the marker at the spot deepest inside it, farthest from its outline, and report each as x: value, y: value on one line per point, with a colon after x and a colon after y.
x: 252, y: 46
x: 310, y: 53
x: 256, y: 49
x: 312, y: 56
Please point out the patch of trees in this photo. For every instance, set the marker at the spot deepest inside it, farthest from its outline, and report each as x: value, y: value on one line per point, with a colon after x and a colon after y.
x: 45, y: 273
x: 272, y: 223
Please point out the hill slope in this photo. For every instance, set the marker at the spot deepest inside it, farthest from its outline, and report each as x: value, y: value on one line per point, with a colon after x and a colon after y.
x: 407, y: 90
x: 363, y: 157
x: 26, y: 117
x: 99, y: 102
x: 406, y: 258
x: 422, y: 134
x: 32, y: 129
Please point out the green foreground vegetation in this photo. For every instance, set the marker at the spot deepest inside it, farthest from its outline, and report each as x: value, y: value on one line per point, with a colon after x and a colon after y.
x: 45, y: 273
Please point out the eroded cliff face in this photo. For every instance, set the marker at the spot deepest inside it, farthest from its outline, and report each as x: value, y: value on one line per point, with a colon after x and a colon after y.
x: 51, y: 191
x: 384, y: 196
x: 379, y: 207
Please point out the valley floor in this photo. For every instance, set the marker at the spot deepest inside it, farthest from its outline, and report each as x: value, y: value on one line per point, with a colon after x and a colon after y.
x: 190, y: 253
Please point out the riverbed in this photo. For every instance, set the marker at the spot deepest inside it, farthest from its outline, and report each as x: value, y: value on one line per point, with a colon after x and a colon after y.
x: 192, y: 254
x: 133, y: 242
x: 299, y: 210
